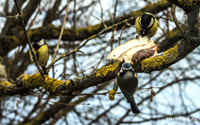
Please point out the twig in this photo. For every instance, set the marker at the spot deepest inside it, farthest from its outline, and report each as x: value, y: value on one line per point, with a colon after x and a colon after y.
x: 115, y: 87
x: 175, y: 19
x: 91, y: 37
x: 61, y: 32
x: 29, y: 43
x: 164, y: 18
x: 103, y: 93
x: 59, y: 102
x: 102, y: 15
x: 120, y: 37
x: 9, y: 17
x: 107, y: 46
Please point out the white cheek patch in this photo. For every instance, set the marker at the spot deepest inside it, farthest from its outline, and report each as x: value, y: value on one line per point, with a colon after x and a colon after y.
x: 151, y: 23
x: 41, y: 42
x: 140, y: 21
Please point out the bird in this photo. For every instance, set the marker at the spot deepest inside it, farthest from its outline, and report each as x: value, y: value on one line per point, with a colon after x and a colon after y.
x: 128, y: 83
x: 40, y: 48
x: 146, y: 25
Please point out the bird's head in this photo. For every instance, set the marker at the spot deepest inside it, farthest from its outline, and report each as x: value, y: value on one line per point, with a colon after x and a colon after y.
x: 38, y: 40
x: 146, y: 20
x: 126, y: 68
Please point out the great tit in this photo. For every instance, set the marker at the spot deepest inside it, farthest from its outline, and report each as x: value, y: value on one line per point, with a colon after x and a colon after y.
x: 41, y: 51
x: 146, y: 25
x: 128, y: 83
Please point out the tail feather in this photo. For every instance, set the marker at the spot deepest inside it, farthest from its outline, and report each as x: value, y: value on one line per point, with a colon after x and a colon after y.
x: 134, y: 106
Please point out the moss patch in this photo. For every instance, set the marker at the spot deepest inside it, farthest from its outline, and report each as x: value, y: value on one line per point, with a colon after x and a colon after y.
x: 67, y: 82
x: 112, y: 95
x: 104, y: 70
x: 36, y: 80
x: 168, y: 56
x: 5, y: 83
x: 187, y: 2
x: 171, y: 34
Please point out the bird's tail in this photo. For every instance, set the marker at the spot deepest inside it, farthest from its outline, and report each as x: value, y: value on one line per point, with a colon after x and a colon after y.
x: 134, y: 106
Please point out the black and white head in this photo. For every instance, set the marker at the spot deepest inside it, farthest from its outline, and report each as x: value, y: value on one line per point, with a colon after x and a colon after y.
x: 38, y: 40
x: 146, y: 20
x: 126, y: 68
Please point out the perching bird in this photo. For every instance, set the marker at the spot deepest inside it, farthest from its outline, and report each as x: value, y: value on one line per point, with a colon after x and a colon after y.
x: 41, y: 51
x: 128, y: 83
x: 146, y: 25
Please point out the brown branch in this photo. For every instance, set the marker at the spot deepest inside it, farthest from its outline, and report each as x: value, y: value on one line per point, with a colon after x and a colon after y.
x: 61, y: 32
x: 102, y: 93
x: 175, y: 20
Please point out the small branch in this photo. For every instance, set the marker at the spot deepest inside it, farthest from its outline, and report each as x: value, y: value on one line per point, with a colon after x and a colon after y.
x: 120, y: 37
x: 103, y: 93
x: 106, y: 46
x: 60, y: 102
x: 112, y: 92
x: 175, y: 20
x: 61, y: 32
x: 9, y: 17
x: 102, y: 15
x: 88, y: 39
x: 29, y: 43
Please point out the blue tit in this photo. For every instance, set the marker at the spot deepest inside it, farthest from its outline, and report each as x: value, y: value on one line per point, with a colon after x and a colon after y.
x: 128, y: 83
x: 146, y: 25
x: 41, y: 51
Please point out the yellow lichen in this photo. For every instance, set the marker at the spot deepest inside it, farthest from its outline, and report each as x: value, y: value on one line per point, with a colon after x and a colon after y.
x: 95, y: 27
x: 5, y: 83
x: 168, y: 56
x: 90, y: 29
x: 67, y: 82
x: 62, y: 55
x: 25, y: 79
x: 198, y: 24
x: 29, y: 33
x: 186, y: 2
x: 92, y: 36
x: 104, y: 70
x: 137, y: 13
x: 40, y: 116
x: 53, y: 83
x: 171, y: 34
x: 36, y: 80
x: 112, y: 95
x: 108, y: 28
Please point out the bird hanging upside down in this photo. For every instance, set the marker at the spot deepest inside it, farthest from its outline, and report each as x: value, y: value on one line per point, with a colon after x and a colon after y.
x: 128, y: 83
